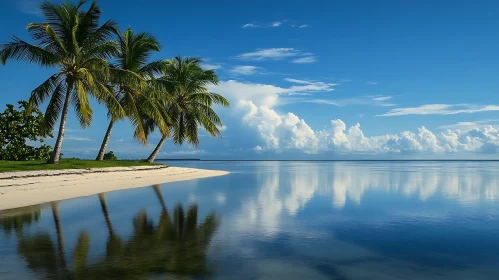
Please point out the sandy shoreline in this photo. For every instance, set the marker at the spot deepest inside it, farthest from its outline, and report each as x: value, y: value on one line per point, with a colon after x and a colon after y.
x: 19, y: 189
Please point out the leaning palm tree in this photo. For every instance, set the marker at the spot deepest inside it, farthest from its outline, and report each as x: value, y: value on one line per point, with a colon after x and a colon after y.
x: 189, y: 103
x: 71, y: 41
x: 131, y: 78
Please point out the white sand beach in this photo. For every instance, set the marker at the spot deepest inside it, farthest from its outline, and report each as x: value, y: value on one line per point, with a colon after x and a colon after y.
x: 19, y: 189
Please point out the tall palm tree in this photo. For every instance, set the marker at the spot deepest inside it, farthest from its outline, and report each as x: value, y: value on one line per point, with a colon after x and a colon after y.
x: 71, y: 41
x: 131, y: 78
x: 189, y: 103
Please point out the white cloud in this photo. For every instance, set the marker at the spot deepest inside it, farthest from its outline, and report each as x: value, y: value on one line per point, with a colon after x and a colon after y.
x: 363, y: 100
x: 249, y: 25
x: 467, y: 126
x: 76, y: 138
x: 280, y: 132
x: 244, y: 70
x: 272, y: 53
x: 262, y: 25
x: 208, y: 66
x: 121, y: 140
x: 372, y: 83
x: 441, y: 109
x: 303, y: 26
x: 304, y: 60
x: 340, y: 139
x: 381, y: 98
x: 185, y: 153
x: 265, y: 94
x: 279, y: 54
x: 222, y: 128
x: 285, y: 131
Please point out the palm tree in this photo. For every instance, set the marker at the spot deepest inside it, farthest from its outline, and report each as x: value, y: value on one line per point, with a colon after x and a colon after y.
x: 189, y: 103
x: 131, y: 78
x: 72, y: 41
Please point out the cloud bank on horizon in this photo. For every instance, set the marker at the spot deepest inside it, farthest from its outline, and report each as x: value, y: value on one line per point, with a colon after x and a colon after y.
x: 257, y: 107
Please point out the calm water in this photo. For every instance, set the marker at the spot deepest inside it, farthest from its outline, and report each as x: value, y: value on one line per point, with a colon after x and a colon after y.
x: 271, y: 220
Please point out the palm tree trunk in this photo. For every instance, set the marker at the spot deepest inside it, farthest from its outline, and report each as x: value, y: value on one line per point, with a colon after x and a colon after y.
x: 154, y: 153
x: 103, y: 147
x: 56, y: 153
x: 60, y: 238
x: 157, y: 190
x: 103, y: 204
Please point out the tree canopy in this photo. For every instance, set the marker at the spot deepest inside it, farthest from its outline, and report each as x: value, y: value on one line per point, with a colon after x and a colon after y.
x: 22, y: 134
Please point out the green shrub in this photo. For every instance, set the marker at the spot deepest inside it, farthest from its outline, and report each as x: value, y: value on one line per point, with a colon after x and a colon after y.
x: 17, y: 127
x: 110, y: 156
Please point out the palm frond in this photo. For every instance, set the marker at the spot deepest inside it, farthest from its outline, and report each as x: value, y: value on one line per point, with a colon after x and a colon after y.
x: 81, y: 104
x: 21, y: 50
x: 39, y: 94
x: 54, y: 107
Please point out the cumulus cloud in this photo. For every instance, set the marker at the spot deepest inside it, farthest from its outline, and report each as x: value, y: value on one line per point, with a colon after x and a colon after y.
x: 340, y: 139
x: 303, y: 26
x: 286, y: 131
x: 441, y: 109
x: 280, y: 132
x: 244, y: 70
x: 265, y: 94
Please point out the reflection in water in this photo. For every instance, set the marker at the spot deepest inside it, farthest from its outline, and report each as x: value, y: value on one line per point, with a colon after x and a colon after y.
x: 16, y: 220
x: 282, y: 220
x: 175, y: 245
x: 369, y: 221
x: 341, y: 181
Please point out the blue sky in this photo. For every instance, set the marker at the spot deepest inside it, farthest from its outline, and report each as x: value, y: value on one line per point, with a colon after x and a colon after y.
x: 312, y: 79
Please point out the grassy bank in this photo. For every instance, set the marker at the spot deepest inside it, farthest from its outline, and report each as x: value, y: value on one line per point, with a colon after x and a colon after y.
x: 6, y: 166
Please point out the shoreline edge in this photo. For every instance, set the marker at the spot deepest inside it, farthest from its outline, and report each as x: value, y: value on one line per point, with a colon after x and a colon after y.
x: 27, y: 188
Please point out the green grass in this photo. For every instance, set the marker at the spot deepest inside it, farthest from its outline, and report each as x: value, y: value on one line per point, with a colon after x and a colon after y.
x: 6, y: 166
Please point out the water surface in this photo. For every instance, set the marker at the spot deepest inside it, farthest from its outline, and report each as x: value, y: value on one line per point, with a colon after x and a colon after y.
x: 270, y: 220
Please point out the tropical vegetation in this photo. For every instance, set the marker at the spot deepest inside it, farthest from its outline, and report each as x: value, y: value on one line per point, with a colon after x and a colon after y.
x: 67, y: 163
x: 97, y: 61
x: 17, y: 127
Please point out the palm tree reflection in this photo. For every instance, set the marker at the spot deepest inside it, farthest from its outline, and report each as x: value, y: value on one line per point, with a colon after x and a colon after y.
x: 176, y: 247
x: 18, y: 218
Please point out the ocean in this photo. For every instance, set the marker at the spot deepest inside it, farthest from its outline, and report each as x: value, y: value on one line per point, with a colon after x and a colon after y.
x: 271, y: 220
